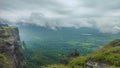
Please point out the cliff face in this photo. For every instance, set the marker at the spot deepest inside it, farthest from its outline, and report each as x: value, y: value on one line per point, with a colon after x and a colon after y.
x: 10, y: 47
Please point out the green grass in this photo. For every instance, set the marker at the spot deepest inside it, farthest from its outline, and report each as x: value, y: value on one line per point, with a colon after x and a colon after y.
x: 78, y: 62
x: 5, y: 62
x: 55, y: 66
x: 113, y: 67
x: 108, y: 54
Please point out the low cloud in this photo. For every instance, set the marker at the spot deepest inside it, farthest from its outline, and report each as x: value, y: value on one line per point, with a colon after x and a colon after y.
x: 103, y: 14
x: 103, y: 24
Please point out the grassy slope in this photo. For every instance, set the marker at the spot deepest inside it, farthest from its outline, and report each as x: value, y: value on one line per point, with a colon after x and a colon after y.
x: 5, y: 61
x: 110, y: 53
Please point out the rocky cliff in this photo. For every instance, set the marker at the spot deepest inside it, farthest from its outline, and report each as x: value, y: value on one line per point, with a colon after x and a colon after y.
x: 10, y: 47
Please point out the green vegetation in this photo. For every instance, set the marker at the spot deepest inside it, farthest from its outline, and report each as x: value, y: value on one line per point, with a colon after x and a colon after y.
x: 109, y: 54
x: 78, y: 62
x: 7, y: 28
x: 113, y: 67
x: 55, y: 66
x: 44, y: 44
x: 5, y: 61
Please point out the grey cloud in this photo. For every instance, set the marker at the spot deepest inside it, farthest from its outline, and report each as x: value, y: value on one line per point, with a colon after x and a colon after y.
x: 100, y: 4
x: 101, y: 14
x: 23, y: 4
x: 103, y: 24
x: 62, y: 7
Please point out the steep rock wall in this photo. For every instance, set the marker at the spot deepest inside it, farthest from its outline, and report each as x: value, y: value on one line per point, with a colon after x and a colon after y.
x: 10, y: 47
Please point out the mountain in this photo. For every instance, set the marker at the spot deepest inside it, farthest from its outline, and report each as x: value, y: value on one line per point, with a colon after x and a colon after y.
x: 10, y: 47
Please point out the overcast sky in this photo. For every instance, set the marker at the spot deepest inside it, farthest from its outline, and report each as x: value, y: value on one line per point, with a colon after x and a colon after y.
x: 101, y: 14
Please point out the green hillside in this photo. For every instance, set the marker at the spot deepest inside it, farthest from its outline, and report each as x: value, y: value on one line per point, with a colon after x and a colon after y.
x: 109, y: 55
x: 5, y: 62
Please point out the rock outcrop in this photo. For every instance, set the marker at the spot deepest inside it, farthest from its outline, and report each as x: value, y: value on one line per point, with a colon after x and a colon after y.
x: 10, y: 47
x: 95, y: 64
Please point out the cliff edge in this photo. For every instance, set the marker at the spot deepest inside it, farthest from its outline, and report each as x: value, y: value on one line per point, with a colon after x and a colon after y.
x: 10, y: 47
